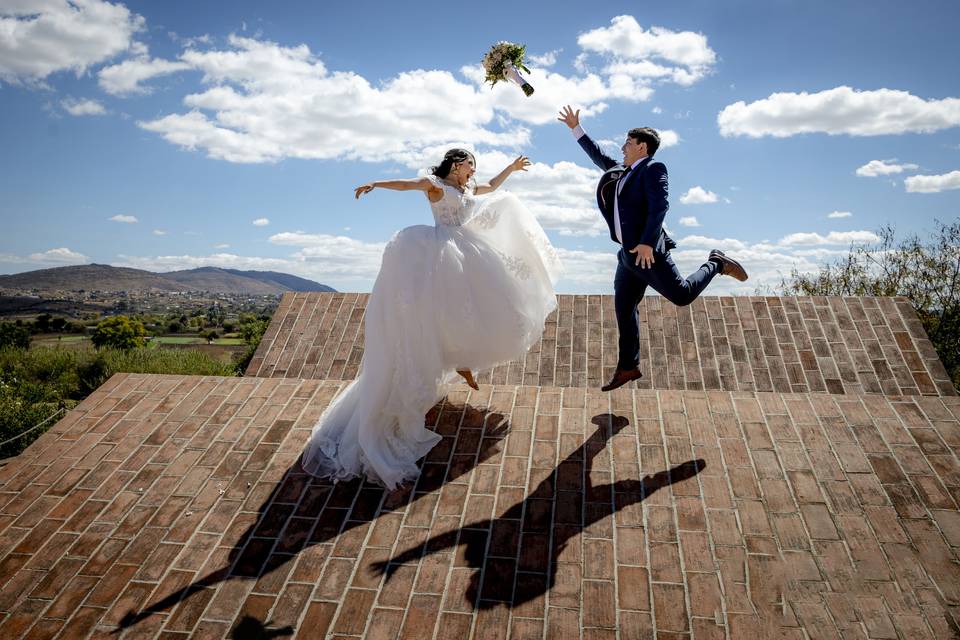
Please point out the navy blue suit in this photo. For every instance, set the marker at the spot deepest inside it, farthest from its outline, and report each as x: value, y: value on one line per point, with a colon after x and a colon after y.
x: 642, y: 205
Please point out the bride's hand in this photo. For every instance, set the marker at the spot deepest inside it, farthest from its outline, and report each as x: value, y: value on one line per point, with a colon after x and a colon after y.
x: 362, y: 189
x: 520, y: 164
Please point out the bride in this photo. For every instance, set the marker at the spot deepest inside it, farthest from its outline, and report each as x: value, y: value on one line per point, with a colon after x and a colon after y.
x: 468, y: 293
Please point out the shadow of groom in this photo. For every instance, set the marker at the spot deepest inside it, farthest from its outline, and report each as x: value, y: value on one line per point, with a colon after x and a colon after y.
x: 519, y: 540
x: 302, y: 511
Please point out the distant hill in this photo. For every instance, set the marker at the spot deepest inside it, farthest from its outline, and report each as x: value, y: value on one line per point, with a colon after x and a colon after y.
x: 270, y: 281
x: 103, y: 277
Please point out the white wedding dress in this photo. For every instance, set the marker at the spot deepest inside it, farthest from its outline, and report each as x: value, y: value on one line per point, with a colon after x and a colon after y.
x: 470, y: 292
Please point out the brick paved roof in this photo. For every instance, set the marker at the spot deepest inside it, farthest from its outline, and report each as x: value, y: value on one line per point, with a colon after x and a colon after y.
x: 788, y: 344
x: 175, y: 506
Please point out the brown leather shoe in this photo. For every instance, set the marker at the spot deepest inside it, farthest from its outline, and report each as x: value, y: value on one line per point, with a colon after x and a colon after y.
x: 728, y: 266
x: 467, y: 375
x: 621, y: 377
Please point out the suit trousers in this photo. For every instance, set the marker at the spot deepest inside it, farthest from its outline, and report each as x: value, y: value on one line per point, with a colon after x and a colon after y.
x: 631, y: 283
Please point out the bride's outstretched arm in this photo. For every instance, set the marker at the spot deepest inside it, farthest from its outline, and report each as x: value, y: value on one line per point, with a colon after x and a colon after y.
x: 520, y: 164
x: 409, y: 184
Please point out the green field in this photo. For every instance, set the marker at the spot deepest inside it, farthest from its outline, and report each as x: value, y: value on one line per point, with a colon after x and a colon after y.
x: 178, y: 340
x: 56, y: 339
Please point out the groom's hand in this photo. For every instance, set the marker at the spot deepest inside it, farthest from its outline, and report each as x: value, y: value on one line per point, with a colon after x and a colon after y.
x: 570, y: 117
x: 644, y: 255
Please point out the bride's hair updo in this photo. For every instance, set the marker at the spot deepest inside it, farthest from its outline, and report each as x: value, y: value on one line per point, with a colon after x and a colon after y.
x: 450, y: 158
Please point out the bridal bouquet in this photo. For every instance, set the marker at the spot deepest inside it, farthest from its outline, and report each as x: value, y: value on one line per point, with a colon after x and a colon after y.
x: 502, y: 62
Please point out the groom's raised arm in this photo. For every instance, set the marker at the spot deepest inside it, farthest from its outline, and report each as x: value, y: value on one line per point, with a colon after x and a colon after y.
x: 571, y: 118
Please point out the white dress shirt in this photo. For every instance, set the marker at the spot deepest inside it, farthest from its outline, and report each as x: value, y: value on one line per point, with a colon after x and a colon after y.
x: 578, y: 133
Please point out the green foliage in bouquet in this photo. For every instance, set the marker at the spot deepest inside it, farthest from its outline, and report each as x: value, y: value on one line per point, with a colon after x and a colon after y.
x: 495, y: 60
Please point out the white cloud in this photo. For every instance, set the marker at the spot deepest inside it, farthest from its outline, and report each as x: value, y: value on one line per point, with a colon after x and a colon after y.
x: 262, y: 102
x: 261, y: 222
x: 159, y: 232
x: 933, y: 184
x: 349, y: 264
x: 656, y: 110
x: 547, y: 59
x: 698, y: 195
x: 265, y: 102
x: 683, y: 57
x: 126, y: 77
x: 766, y: 264
x: 41, y: 37
x: 834, y: 237
x: 840, y: 214
x: 123, y: 218
x: 562, y: 196
x: 876, y: 168
x: 223, y: 260
x: 841, y: 110
x: 62, y: 255
x: 221, y: 246
x: 586, y: 271
x: 705, y: 242
x: 668, y: 138
x: 52, y: 257
x: 341, y: 262
x: 588, y: 93
x: 688, y: 221
x: 82, y: 107
x: 338, y: 256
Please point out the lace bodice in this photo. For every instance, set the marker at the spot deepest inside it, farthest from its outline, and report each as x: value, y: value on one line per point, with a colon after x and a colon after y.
x: 455, y: 207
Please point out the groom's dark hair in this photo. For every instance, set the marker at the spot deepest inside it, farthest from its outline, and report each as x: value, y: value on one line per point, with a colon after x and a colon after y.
x: 648, y: 135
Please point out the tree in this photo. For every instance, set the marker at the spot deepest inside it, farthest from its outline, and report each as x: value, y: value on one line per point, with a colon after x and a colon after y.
x: 174, y: 327
x: 253, y: 331
x: 119, y: 332
x: 58, y: 325
x: 42, y: 323
x: 210, y: 335
x: 927, y: 272
x: 12, y: 335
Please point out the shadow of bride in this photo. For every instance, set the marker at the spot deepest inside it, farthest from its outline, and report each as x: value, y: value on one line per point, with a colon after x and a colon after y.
x: 519, y: 539
x: 302, y: 511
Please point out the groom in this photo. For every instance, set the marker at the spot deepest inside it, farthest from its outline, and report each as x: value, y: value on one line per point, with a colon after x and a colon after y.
x: 633, y: 200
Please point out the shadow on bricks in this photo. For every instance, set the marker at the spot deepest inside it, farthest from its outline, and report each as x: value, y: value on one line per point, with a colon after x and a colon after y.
x: 577, y: 506
x: 302, y: 511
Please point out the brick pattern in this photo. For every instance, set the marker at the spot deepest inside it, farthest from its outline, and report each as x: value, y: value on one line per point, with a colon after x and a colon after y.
x: 785, y: 344
x: 175, y: 505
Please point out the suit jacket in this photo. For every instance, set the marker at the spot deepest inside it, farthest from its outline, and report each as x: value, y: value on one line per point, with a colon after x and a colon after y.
x: 642, y: 200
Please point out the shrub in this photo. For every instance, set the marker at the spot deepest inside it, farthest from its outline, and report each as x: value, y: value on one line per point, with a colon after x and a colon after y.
x: 36, y: 383
x: 252, y: 330
x: 923, y: 271
x: 13, y: 335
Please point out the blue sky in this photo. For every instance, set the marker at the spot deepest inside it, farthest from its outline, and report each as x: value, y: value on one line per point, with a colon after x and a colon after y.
x: 173, y: 135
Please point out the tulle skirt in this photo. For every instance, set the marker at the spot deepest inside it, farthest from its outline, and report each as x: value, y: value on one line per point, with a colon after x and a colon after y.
x: 446, y: 298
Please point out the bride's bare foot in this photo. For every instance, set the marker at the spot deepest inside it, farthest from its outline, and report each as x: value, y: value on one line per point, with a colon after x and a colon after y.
x: 467, y: 375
